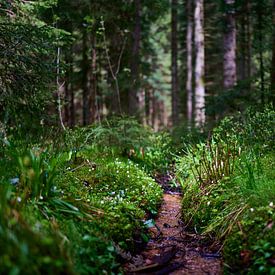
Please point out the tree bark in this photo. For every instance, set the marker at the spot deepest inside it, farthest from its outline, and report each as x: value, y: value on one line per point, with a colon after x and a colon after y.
x: 174, y: 48
x: 85, y: 89
x: 135, y: 60
x: 189, y: 65
x: 244, y: 46
x: 229, y: 45
x: 93, y: 84
x: 261, y: 50
x: 200, y: 65
x: 272, y: 94
x: 248, y: 41
x: 67, y: 91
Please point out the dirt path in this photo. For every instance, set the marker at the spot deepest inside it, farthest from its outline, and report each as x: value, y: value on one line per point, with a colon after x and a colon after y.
x: 171, y: 249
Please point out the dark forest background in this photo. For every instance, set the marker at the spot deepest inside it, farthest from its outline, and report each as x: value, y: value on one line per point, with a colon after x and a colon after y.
x: 166, y: 63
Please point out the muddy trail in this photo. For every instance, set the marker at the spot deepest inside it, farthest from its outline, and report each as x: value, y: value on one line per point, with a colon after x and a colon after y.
x: 172, y: 249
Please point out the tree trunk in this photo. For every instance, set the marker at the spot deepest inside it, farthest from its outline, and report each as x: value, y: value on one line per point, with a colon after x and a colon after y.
x: 189, y: 51
x: 85, y: 70
x: 261, y: 50
x: 199, y: 66
x: 244, y: 47
x: 93, y: 85
x: 248, y: 41
x: 272, y: 95
x: 174, y: 48
x: 72, y: 108
x: 135, y: 60
x: 229, y: 45
x: 67, y: 91
x: 71, y: 89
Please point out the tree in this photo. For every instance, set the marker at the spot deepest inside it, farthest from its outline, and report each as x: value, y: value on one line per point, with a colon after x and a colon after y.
x: 272, y: 97
x: 174, y: 66
x: 85, y: 71
x: 135, y: 61
x: 189, y: 65
x: 244, y: 45
x: 229, y: 46
x: 28, y: 67
x: 199, y: 64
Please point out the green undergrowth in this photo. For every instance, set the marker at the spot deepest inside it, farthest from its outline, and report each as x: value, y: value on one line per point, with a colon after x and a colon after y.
x: 126, y: 138
x: 229, y: 191
x: 73, y: 209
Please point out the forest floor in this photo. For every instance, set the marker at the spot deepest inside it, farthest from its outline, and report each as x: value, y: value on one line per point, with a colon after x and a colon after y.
x: 172, y: 249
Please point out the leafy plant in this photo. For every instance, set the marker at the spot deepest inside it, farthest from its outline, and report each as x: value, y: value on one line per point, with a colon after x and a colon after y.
x: 229, y: 191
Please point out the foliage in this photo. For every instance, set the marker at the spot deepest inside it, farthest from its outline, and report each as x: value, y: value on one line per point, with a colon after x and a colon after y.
x: 158, y: 155
x: 123, y: 137
x: 251, y: 128
x: 27, y: 54
x: 121, y: 189
x: 24, y: 248
x: 122, y: 134
x: 229, y: 194
x: 69, y: 211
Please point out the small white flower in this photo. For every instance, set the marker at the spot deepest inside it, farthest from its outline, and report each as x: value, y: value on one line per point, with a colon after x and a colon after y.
x: 271, y: 204
x: 19, y: 199
x: 208, y: 203
x: 252, y: 209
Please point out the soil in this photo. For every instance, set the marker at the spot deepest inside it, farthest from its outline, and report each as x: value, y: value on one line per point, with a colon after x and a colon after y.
x: 172, y: 249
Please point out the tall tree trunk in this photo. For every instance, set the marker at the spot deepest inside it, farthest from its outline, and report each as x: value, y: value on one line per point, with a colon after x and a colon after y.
x: 67, y: 91
x: 272, y: 94
x: 261, y: 50
x: 244, y: 47
x: 199, y: 66
x: 93, y: 84
x: 154, y: 109
x: 72, y: 108
x: 248, y: 40
x: 174, y: 48
x: 147, y: 105
x: 135, y: 60
x: 229, y: 46
x: 189, y: 51
x: 85, y: 70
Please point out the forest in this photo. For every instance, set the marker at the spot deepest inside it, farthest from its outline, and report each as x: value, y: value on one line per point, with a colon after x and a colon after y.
x: 137, y: 137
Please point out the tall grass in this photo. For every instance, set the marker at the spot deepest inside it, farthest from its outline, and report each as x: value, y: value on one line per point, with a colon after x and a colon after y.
x: 230, y: 189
